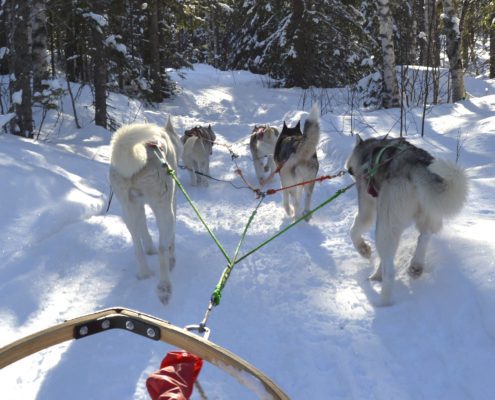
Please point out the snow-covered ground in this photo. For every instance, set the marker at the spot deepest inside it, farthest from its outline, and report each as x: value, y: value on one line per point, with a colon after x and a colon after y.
x: 301, y: 309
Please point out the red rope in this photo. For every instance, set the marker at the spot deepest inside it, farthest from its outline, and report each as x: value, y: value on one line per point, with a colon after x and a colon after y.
x: 260, y: 193
x: 319, y: 179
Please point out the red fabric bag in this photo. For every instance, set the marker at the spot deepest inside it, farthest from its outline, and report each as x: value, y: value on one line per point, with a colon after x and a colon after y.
x: 175, y: 379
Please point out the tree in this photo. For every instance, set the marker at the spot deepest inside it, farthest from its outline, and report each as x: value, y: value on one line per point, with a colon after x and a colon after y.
x: 390, y: 95
x: 20, y: 56
x: 155, y: 65
x: 431, y: 53
x: 39, y: 44
x: 98, y: 22
x: 492, y: 38
x: 303, y: 43
x: 453, y: 35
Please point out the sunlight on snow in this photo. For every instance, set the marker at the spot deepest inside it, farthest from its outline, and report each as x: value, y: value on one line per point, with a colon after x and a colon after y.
x: 352, y: 302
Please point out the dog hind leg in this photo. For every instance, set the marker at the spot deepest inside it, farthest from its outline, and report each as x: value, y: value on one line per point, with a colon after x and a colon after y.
x: 417, y: 263
x: 166, y: 226
x: 287, y: 206
x: 394, y: 214
x: 133, y: 214
x: 308, y: 193
x: 387, y: 242
x: 296, y: 201
x: 144, y: 233
x: 192, y: 172
x: 362, y: 222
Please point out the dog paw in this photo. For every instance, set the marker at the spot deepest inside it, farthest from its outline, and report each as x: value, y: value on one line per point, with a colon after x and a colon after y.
x: 144, y: 274
x: 364, y: 249
x: 308, y: 217
x: 415, y: 270
x: 376, y: 276
x: 164, y: 291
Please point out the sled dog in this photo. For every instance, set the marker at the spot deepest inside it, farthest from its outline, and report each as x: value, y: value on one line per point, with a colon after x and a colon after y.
x: 198, y: 146
x: 295, y: 155
x: 137, y: 178
x: 399, y: 183
x: 262, y: 145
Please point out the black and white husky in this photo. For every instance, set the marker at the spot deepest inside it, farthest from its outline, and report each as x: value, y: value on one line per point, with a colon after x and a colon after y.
x: 399, y: 183
x: 295, y: 155
x: 138, y: 178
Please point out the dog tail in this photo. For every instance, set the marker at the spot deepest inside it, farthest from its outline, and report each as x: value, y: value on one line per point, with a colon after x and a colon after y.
x: 450, y: 192
x: 128, y: 147
x: 311, y: 133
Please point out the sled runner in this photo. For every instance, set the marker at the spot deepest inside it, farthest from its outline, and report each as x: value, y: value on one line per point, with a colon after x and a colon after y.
x: 177, y: 367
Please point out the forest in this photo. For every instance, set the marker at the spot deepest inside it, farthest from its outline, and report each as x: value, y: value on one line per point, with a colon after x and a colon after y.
x: 129, y: 47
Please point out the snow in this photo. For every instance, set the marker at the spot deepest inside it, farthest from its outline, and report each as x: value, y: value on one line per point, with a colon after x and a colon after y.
x: 301, y: 309
x: 5, y: 118
x: 112, y: 41
x: 100, y: 20
x: 17, y: 97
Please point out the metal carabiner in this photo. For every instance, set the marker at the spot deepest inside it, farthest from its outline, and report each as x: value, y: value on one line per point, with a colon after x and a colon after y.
x: 200, y: 329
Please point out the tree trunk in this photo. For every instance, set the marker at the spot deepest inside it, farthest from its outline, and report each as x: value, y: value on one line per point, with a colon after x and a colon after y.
x: 390, y: 95
x: 298, y: 63
x: 451, y: 23
x: 492, y: 45
x: 155, y: 71
x: 39, y: 46
x: 100, y: 70
x: 212, y: 37
x: 432, y: 56
x: 20, y: 86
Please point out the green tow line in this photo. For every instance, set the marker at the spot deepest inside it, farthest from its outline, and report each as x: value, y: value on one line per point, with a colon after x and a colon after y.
x: 217, y: 292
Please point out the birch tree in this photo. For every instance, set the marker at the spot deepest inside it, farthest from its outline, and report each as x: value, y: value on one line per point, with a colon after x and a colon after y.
x: 453, y: 35
x: 390, y: 94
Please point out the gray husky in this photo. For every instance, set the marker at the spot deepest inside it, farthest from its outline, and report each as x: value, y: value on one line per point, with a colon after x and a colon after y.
x: 138, y: 178
x: 262, y: 145
x: 399, y: 183
x: 198, y: 146
x: 295, y: 155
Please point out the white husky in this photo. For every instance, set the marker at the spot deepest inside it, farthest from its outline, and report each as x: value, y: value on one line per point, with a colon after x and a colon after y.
x: 138, y: 178
x: 399, y: 184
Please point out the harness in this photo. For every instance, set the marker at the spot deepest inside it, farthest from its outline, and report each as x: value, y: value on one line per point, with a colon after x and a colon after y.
x: 259, y: 131
x: 377, y: 162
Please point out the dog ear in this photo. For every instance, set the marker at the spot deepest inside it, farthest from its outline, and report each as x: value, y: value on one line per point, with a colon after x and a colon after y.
x: 358, y: 139
x: 169, y: 127
x: 285, y: 126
